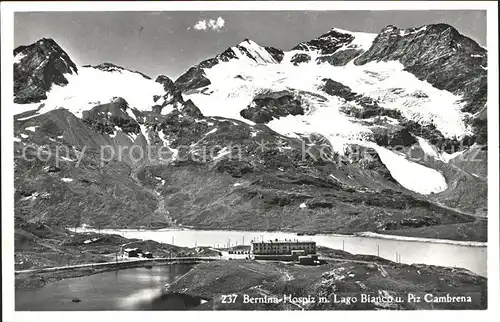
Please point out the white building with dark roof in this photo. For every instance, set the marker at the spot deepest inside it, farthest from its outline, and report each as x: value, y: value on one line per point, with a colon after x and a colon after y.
x: 282, y: 247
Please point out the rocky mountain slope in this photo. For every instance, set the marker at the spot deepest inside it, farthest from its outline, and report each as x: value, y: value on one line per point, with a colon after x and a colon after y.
x: 347, y: 132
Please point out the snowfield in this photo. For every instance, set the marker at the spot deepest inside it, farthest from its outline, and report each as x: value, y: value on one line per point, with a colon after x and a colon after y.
x: 418, y: 101
x: 91, y: 87
x: 411, y: 175
x: 234, y: 84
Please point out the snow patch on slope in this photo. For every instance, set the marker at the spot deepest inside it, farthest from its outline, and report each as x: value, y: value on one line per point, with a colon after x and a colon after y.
x: 92, y: 86
x: 144, y: 131
x: 19, y: 57
x: 411, y: 175
x: 166, y: 143
x: 428, y: 148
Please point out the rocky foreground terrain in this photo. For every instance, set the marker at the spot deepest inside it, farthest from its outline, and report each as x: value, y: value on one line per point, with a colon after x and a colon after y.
x: 345, y: 133
x: 349, y: 282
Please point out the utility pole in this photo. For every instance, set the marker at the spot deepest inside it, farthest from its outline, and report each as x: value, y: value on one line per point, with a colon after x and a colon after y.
x: 172, y: 240
x: 378, y: 251
x: 243, y: 240
x: 343, y: 245
x: 397, y: 258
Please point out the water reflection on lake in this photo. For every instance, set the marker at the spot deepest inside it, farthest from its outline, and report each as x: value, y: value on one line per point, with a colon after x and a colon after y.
x: 129, y: 289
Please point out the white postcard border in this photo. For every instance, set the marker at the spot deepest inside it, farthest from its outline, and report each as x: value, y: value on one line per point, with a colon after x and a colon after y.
x: 7, y: 47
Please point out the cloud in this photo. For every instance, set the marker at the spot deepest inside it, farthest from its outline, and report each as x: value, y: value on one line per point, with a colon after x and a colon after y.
x: 211, y: 24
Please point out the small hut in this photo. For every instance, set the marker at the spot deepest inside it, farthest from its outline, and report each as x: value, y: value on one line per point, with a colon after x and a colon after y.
x: 306, y: 260
x: 131, y: 252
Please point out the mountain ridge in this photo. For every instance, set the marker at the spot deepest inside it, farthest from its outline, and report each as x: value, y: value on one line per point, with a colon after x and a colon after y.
x: 213, y: 120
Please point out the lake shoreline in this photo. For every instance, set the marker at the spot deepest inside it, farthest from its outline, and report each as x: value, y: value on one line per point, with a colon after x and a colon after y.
x: 395, y: 235
x: 365, y: 234
x: 370, y: 234
x: 41, y: 277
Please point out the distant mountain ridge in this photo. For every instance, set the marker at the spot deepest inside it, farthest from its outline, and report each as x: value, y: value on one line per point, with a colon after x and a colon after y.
x: 112, y: 67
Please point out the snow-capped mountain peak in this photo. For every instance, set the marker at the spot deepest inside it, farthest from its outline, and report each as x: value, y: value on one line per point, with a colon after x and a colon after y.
x: 362, y: 40
x: 37, y: 67
x: 338, y: 39
x: 249, y: 48
x: 48, y: 48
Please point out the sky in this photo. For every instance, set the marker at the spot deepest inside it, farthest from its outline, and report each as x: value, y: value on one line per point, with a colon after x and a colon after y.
x: 169, y: 43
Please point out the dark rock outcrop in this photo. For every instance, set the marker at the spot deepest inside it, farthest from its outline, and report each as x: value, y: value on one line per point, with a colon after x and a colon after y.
x: 392, y: 136
x: 276, y: 53
x: 37, y: 67
x: 272, y: 105
x: 194, y: 78
x: 300, y: 58
x: 334, y: 88
x: 327, y: 43
x: 104, y: 118
x: 368, y: 159
x: 168, y: 84
x: 172, y: 96
x: 191, y: 110
x: 340, y: 58
x: 370, y: 107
